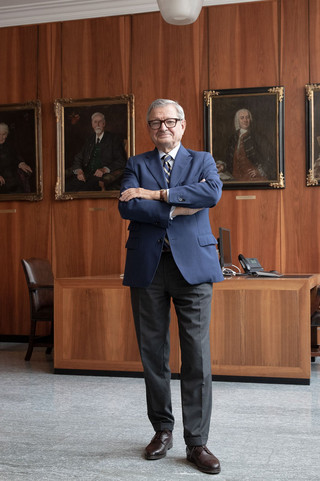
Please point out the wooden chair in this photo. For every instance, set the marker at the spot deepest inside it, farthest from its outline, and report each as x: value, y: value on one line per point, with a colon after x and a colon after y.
x: 40, y: 280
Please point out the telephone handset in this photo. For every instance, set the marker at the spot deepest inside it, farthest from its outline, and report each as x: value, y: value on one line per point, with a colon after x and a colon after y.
x: 252, y: 266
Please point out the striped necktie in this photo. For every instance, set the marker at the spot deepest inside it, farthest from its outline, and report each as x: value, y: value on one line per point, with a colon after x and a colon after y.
x: 167, y: 172
x: 167, y: 167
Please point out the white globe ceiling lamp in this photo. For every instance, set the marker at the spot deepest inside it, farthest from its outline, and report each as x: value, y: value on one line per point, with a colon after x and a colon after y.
x: 180, y: 12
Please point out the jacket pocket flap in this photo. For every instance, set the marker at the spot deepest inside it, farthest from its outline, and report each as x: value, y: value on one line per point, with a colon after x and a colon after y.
x: 207, y: 239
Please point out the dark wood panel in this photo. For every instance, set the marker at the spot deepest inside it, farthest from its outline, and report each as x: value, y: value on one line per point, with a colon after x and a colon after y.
x: 243, y: 45
x: 311, y: 235
x: 89, y: 235
x: 95, y: 57
x: 243, y: 52
x: 314, y: 45
x: 25, y: 227
x: 230, y: 46
x: 255, y: 224
x: 169, y: 62
x: 18, y: 59
x: 299, y: 253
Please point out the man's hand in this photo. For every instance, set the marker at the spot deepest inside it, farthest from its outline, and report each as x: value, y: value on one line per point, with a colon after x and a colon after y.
x: 80, y: 175
x: 139, y: 193
x: 25, y: 167
x: 2, y: 181
x: 99, y: 173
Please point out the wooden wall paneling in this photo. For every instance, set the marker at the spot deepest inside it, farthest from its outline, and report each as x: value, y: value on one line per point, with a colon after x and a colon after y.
x: 169, y: 62
x: 18, y: 57
x: 95, y: 57
x: 299, y: 252
x: 89, y: 235
x: 313, y: 232
x: 243, y: 52
x: 243, y: 45
x: 49, y: 74
x: 24, y: 231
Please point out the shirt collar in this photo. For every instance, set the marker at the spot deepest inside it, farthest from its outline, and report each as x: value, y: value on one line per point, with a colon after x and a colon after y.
x: 172, y: 153
x: 99, y: 136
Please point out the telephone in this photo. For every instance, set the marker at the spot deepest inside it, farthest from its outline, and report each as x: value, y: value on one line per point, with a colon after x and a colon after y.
x: 252, y: 266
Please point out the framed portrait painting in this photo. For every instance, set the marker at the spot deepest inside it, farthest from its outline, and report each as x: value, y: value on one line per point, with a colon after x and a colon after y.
x: 20, y: 152
x: 244, y: 133
x: 313, y: 134
x: 95, y: 137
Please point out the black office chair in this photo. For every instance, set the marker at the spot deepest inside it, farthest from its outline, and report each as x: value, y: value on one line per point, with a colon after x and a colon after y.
x: 315, y: 323
x: 40, y: 280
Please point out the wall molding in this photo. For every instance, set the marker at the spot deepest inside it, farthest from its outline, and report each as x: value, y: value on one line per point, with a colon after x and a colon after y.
x: 24, y: 12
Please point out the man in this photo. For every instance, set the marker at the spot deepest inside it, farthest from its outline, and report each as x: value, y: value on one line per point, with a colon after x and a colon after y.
x: 171, y: 254
x: 100, y: 163
x: 14, y: 172
x: 249, y: 155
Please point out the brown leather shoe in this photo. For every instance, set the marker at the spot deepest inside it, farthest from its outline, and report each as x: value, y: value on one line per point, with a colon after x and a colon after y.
x: 159, y: 445
x: 203, y: 459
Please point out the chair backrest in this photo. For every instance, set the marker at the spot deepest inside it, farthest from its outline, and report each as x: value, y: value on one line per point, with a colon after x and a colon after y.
x: 38, y: 273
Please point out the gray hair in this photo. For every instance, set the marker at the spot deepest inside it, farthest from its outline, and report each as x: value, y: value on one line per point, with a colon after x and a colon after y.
x: 236, y: 118
x: 162, y: 103
x: 4, y: 127
x: 97, y: 113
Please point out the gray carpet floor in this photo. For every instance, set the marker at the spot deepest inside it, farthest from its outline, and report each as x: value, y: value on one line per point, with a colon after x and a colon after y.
x: 93, y: 428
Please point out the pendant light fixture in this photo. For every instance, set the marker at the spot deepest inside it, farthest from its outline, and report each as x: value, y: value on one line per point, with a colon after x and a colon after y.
x: 180, y: 12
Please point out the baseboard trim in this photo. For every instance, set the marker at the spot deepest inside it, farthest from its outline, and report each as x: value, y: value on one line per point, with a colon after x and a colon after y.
x: 261, y: 380
x: 13, y: 338
x: 136, y: 374
x: 96, y: 372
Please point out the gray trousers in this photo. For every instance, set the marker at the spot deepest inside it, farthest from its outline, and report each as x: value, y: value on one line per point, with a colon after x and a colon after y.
x: 151, y: 311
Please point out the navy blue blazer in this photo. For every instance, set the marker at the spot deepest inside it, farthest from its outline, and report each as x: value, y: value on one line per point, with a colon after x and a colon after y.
x: 192, y: 243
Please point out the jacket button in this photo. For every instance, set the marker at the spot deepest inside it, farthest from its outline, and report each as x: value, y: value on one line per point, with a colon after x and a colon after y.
x: 180, y: 199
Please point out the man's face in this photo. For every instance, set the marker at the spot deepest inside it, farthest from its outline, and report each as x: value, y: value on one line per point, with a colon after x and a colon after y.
x: 98, y: 123
x: 166, y: 138
x: 3, y: 135
x: 244, y: 119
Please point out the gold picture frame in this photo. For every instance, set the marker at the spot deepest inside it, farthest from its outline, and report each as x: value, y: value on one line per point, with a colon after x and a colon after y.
x: 313, y: 134
x: 21, y: 152
x: 85, y: 168
x: 244, y: 131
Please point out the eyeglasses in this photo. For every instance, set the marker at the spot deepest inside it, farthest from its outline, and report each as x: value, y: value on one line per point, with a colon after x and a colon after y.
x: 169, y: 123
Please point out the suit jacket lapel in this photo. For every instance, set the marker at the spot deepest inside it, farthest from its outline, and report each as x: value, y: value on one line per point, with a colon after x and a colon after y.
x: 153, y: 164
x: 180, y: 166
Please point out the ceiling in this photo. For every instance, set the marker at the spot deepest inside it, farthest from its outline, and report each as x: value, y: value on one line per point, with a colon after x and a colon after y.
x: 27, y: 12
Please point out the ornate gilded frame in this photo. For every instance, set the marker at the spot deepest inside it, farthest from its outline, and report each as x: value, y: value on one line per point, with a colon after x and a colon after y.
x: 313, y: 134
x: 23, y: 144
x: 74, y: 128
x: 261, y: 163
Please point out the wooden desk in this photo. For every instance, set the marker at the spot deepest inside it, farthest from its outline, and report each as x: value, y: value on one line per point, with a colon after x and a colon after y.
x: 260, y: 327
x: 94, y: 327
